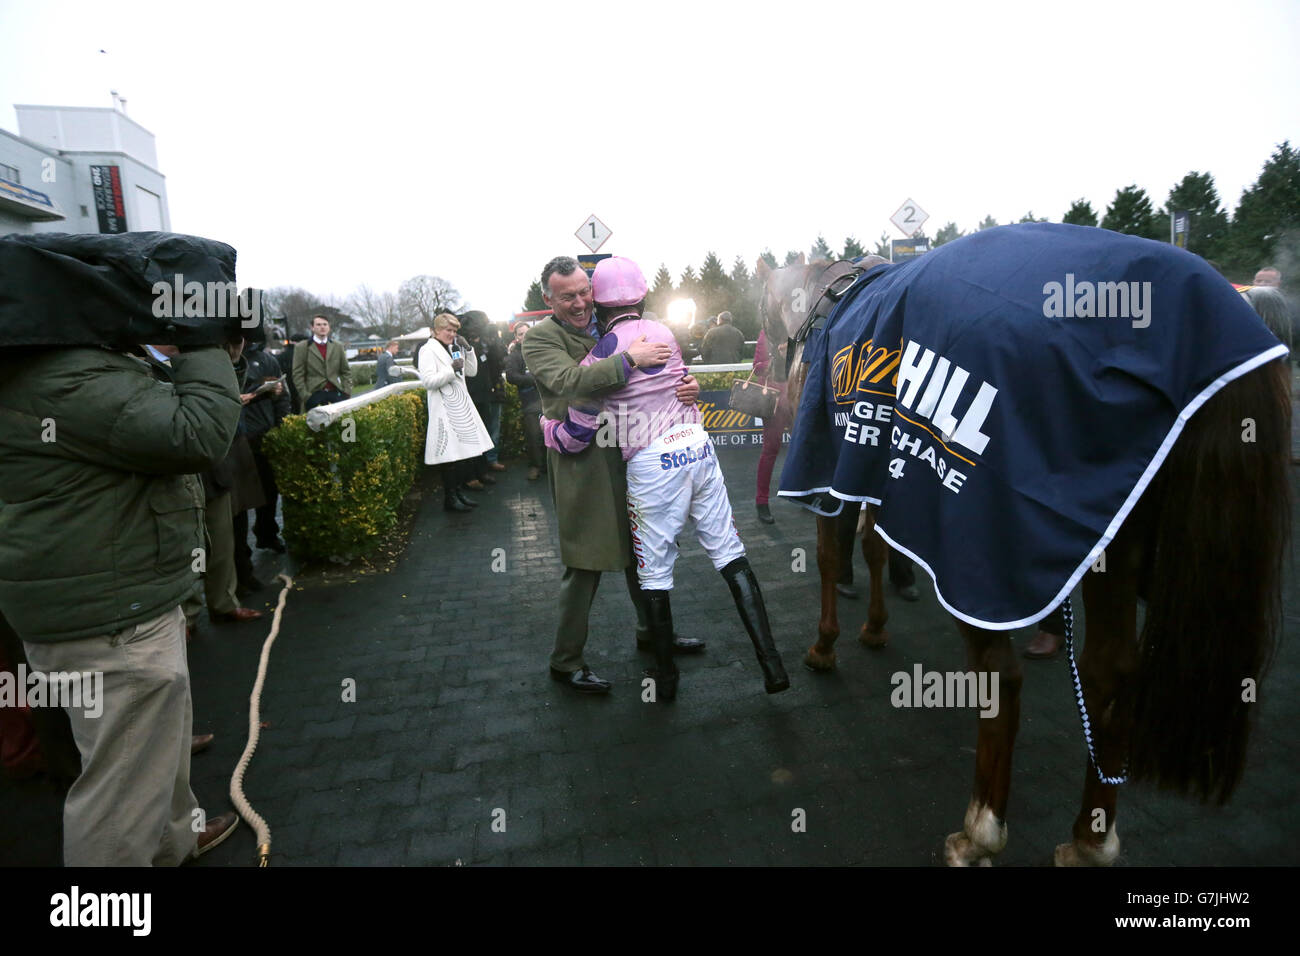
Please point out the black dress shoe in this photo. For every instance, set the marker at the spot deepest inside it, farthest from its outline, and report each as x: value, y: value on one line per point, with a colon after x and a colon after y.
x: 765, y: 515
x: 465, y: 499
x: 455, y: 504
x: 908, y: 592
x: 249, y: 585
x: 582, y: 680
x: 681, y: 645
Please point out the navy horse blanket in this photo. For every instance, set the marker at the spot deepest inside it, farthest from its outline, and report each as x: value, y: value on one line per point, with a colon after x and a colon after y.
x: 1006, y: 398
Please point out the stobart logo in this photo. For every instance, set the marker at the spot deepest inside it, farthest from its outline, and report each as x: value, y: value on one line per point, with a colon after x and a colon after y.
x: 855, y: 368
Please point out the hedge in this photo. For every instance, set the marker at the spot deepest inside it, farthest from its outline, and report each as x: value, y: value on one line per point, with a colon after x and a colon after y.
x: 342, y: 485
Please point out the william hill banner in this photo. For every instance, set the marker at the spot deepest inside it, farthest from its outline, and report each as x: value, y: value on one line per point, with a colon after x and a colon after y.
x: 727, y: 427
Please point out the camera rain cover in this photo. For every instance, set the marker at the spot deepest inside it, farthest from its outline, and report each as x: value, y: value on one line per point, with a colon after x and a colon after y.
x: 120, y: 290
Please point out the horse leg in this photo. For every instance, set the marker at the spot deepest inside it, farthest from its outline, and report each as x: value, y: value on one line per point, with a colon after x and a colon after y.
x: 1106, y: 669
x: 984, y: 830
x: 876, y: 553
x: 821, y: 656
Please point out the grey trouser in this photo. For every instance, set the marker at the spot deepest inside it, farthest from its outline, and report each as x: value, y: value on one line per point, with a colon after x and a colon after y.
x: 132, y: 804
x: 577, y: 591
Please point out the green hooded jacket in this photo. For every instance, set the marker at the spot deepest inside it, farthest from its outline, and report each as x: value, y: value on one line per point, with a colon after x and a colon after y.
x: 100, y: 510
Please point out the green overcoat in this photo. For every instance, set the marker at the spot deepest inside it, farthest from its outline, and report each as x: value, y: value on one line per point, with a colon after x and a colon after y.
x: 589, y: 488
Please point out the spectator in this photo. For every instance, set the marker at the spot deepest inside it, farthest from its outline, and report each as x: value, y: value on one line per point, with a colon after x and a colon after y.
x: 773, y: 427
x: 266, y: 403
x: 486, y: 388
x: 96, y: 556
x: 285, y: 359
x: 1269, y: 276
x: 320, y: 368
x: 723, y: 343
x: 229, y: 488
x: 530, y: 403
x: 456, y: 434
x: 386, y: 372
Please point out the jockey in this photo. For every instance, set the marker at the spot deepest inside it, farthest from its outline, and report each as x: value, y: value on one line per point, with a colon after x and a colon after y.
x: 672, y: 472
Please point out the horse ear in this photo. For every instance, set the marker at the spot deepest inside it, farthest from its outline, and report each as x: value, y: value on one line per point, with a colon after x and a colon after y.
x: 803, y: 260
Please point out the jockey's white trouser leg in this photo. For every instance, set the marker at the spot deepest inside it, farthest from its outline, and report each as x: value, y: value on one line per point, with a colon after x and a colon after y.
x: 668, y: 484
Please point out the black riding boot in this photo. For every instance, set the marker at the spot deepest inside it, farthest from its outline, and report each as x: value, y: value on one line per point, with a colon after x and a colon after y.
x: 753, y: 614
x: 660, y: 612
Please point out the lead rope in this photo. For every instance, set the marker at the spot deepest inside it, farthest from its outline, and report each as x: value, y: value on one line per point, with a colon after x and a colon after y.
x: 1068, y: 613
x: 254, y: 731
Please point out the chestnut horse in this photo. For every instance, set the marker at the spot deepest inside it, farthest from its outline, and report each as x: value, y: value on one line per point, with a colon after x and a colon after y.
x: 1204, y: 547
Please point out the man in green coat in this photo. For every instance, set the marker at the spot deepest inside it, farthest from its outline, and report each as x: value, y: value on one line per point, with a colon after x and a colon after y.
x: 589, y: 489
x: 321, y: 374
x: 101, y: 529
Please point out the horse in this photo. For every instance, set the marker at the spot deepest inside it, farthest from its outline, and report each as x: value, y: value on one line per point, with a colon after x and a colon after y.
x: 1204, y: 545
x: 786, y: 296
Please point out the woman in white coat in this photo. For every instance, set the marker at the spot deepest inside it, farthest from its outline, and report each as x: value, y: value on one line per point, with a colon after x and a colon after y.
x: 456, y: 433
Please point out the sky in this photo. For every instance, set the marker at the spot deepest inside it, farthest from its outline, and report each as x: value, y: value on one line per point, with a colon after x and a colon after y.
x: 335, y: 145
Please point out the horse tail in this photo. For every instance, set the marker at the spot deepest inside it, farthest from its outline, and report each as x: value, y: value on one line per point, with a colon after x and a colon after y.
x: 1222, y: 520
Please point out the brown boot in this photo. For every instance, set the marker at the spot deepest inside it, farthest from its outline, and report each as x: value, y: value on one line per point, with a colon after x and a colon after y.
x: 1044, y: 646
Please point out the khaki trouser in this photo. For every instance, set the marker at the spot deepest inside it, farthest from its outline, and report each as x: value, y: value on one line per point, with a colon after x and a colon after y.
x: 577, y: 591
x: 220, y: 578
x: 132, y: 804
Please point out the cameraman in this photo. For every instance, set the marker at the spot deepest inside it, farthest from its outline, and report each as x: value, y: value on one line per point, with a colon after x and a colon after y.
x: 101, y: 516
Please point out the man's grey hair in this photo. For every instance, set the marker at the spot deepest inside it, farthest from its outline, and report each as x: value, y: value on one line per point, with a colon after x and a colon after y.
x: 562, y: 265
x: 724, y: 318
x: 1271, y: 306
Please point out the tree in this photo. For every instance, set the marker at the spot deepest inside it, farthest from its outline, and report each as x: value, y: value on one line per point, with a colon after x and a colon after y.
x: 1029, y: 217
x: 1080, y: 214
x: 853, y: 249
x: 715, y: 286
x: 296, y: 306
x: 820, y: 250
x: 689, y: 285
x: 377, y: 312
x: 423, y: 297
x: 883, y: 248
x: 988, y: 223
x: 769, y: 258
x: 1268, y: 211
x: 1131, y: 214
x: 1208, y: 230
x: 744, y: 305
x: 533, y: 302
x: 947, y: 234
x: 792, y: 257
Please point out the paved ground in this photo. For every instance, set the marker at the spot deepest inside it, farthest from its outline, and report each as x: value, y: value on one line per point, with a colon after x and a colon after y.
x: 455, y: 725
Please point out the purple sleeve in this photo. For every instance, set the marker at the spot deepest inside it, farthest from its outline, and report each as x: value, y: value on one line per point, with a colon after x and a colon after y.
x: 574, y: 432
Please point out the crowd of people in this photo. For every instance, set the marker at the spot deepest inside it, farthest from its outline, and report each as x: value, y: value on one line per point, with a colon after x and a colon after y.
x: 160, y: 459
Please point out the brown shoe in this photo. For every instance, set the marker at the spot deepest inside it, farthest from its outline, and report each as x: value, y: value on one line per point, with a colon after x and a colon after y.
x: 239, y: 615
x: 1044, y: 646
x: 200, y: 743
x: 534, y: 473
x: 475, y: 485
x: 215, y: 833
x: 497, y: 466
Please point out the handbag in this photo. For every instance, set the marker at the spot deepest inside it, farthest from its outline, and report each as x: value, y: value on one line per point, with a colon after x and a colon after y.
x: 754, y: 398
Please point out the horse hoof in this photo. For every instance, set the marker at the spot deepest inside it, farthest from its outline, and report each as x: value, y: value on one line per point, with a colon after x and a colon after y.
x: 873, y: 639
x: 818, y: 662
x: 958, y: 850
x: 1085, y: 854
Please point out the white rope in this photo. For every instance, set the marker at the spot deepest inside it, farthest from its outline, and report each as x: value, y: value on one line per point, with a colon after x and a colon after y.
x: 237, y: 797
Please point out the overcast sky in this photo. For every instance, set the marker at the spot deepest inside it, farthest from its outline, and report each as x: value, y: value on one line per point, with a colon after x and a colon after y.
x: 340, y: 144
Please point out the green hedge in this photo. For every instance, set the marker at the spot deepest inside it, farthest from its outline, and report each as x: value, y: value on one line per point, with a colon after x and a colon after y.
x: 341, y: 495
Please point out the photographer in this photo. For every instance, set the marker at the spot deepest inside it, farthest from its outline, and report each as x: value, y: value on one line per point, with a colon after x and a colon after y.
x: 103, y: 516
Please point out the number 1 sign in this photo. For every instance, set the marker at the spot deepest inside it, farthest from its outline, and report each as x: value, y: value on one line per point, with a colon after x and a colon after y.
x: 593, y: 233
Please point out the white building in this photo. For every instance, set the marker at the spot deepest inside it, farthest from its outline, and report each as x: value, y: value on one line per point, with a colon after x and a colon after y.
x: 80, y: 169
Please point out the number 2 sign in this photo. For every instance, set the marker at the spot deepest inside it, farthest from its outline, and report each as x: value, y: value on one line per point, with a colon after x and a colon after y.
x: 910, y: 218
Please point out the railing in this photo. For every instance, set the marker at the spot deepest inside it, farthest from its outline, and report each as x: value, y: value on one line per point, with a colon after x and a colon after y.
x: 323, y: 415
